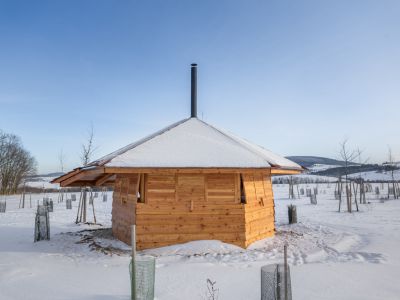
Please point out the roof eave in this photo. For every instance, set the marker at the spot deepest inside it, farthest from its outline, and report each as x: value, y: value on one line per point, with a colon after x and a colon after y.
x: 84, y: 175
x: 286, y: 171
x: 126, y: 170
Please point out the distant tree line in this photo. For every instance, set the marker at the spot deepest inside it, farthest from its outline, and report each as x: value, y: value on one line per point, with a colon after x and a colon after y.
x: 299, y: 180
x: 351, y: 169
x: 15, y: 163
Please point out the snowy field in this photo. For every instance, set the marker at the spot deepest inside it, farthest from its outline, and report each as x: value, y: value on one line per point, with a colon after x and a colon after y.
x: 332, y: 255
x: 376, y: 176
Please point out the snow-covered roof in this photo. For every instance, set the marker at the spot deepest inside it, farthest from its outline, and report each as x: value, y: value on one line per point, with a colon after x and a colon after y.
x: 193, y: 143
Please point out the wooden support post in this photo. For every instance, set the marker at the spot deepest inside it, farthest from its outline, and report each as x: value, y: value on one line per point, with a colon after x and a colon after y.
x: 133, y: 242
x: 84, y: 204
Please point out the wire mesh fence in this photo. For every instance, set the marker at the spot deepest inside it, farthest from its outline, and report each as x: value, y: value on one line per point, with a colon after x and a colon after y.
x: 68, y: 204
x: 48, y: 202
x: 292, y: 214
x: 313, y: 199
x: 42, y: 223
x: 144, y: 277
x: 274, y: 284
x: 3, y: 206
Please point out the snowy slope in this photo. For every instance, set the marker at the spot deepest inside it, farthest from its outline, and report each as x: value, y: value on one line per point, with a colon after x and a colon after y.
x: 42, y: 182
x: 321, y: 167
x: 377, y: 176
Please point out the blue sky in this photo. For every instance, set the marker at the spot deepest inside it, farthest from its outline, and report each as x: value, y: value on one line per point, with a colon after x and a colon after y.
x: 296, y: 77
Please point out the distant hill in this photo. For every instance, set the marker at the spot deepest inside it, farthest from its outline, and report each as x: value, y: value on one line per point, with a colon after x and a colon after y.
x: 55, y: 174
x: 324, y: 166
x: 309, y: 161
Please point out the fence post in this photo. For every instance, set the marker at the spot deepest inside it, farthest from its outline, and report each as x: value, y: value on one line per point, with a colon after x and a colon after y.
x: 285, y: 271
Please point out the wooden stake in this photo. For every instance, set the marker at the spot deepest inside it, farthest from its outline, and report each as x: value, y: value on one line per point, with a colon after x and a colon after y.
x: 20, y: 201
x: 84, y: 204
x: 285, y: 271
x: 79, y: 214
x: 133, y: 242
x: 94, y: 213
x: 23, y: 197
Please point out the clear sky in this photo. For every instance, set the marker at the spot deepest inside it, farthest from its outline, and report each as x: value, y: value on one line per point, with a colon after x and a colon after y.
x: 296, y: 77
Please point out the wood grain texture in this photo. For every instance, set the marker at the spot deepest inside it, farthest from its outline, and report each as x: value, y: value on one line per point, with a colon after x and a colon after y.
x: 259, y: 210
x: 182, y: 207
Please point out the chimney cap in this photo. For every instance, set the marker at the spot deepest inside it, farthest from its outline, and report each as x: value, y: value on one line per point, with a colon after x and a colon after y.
x: 194, y: 65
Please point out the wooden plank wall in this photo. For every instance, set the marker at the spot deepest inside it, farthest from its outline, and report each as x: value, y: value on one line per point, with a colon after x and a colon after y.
x: 124, y: 206
x: 186, y: 207
x: 260, y: 209
x: 198, y: 207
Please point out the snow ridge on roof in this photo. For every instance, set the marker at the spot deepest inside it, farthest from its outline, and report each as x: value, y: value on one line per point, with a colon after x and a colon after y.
x: 194, y: 143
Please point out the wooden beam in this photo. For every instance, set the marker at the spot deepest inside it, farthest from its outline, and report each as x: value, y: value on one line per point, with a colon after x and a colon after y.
x: 237, y: 188
x: 128, y: 170
x: 103, y: 179
x: 110, y: 183
x: 65, y: 176
x: 285, y: 171
x: 81, y: 183
x: 81, y: 174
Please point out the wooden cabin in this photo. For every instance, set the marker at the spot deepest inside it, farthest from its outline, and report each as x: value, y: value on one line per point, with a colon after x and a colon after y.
x: 189, y: 181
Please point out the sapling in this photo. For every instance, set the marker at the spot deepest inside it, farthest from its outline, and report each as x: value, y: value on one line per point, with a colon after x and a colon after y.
x: 212, y: 290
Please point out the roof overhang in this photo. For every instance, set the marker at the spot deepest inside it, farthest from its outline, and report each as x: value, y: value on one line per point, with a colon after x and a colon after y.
x: 91, y: 176
x: 105, y: 176
x: 285, y: 171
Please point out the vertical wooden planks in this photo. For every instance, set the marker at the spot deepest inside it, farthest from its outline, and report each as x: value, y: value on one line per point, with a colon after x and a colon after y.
x: 259, y: 210
x: 124, y: 205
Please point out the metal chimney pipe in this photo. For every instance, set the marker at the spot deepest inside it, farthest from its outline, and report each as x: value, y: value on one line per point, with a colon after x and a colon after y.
x: 193, y: 97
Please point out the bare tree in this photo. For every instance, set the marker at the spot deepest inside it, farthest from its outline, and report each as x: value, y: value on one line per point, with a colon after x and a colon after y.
x: 348, y: 157
x: 61, y: 160
x: 292, y: 181
x: 88, y: 147
x: 16, y: 163
x: 360, y: 180
x: 212, y: 291
x: 87, y: 151
x: 391, y: 165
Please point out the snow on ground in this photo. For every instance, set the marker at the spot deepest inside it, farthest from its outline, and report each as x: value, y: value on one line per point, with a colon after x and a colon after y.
x: 376, y: 176
x: 321, y: 167
x: 332, y: 255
